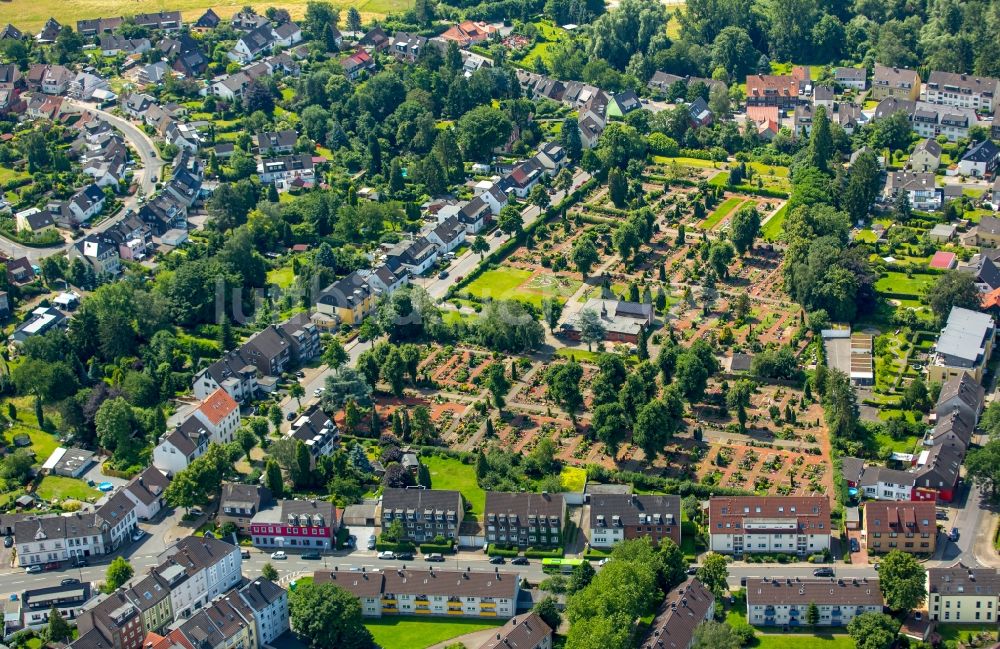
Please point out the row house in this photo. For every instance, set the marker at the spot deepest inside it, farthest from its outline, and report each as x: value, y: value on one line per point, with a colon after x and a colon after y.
x: 961, y: 394
x: 197, y: 570
x: 960, y: 90
x: 214, y: 421
x: 423, y: 513
x: 224, y: 624
x: 112, y: 45
x: 906, y: 526
x: 786, y: 602
x: 114, y: 621
x: 240, y: 502
x: 94, y: 26
x: 959, y: 594
x: 429, y: 592
x: 897, y: 83
x: 525, y: 519
x: 296, y: 524
x: 151, y: 595
x: 288, y: 172
x: 357, y: 64
x: 521, y: 632
x: 161, y: 20
x: 683, y: 610
x: 268, y: 604
x: 617, y: 517
x: 769, y: 524
x: 133, y: 237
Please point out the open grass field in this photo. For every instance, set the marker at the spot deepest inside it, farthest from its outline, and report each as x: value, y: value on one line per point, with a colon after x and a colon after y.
x: 42, y: 443
x: 520, y: 284
x: 420, y: 633
x: 775, y: 226
x: 573, y: 478
x: 898, y: 283
x: 283, y: 277
x: 449, y: 473
x: 32, y: 15
x: 688, y: 162
x: 727, y: 207
x: 54, y: 487
x: 7, y: 175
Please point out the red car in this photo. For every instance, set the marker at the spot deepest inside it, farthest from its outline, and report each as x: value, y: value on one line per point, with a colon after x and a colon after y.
x: 51, y: 566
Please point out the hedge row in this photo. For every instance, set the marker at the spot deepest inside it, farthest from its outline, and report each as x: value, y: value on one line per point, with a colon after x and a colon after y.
x: 402, y: 546
x: 495, y: 550
x: 537, y: 553
x: 757, y: 191
x: 431, y: 548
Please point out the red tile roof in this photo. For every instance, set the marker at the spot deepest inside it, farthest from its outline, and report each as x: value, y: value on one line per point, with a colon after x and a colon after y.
x: 218, y: 406
x: 943, y: 260
x: 759, y: 85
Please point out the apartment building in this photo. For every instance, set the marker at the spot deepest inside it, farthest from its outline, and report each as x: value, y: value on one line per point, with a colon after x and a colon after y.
x: 962, y: 595
x: 770, y: 90
x: 684, y: 608
x: 152, y: 597
x: 69, y: 599
x: 961, y: 90
x: 905, y: 526
x: 268, y: 604
x: 521, y: 632
x: 617, y: 517
x: 197, y: 570
x: 317, y: 431
x: 429, y: 592
x: 305, y: 524
x: 423, y: 513
x: 785, y: 602
x: 113, y: 622
x: 898, y: 83
x: 964, y: 346
x: 525, y: 519
x: 769, y: 524
x: 223, y: 624
x: 215, y: 420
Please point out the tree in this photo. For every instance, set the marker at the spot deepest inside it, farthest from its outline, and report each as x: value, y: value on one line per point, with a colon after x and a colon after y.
x: 552, y: 310
x: 617, y: 187
x: 744, y: 229
x: 539, y: 197
x: 563, y: 381
x: 510, y: 220
x: 481, y: 130
x: 547, y: 608
x: 902, y: 579
x: 59, y: 629
x: 812, y: 614
x: 734, y: 51
x: 275, y: 483
x: 480, y: 246
x: 268, y: 571
x: 714, y: 635
x: 584, y: 255
x: 954, y: 288
x: 873, y: 631
x: 353, y: 20
x: 581, y: 577
x: 840, y: 405
x: 119, y: 571
x: 720, y: 255
x: 348, y: 384
x: 592, y: 330
x: 983, y: 466
x: 691, y: 376
x: 115, y: 424
x: 334, y: 355
x: 296, y: 391
x: 738, y: 398
x: 675, y: 566
x: 820, y: 140
x: 569, y: 137
x: 915, y: 395
x: 714, y: 572
x: 328, y: 616
x: 497, y: 383
x: 862, y: 185
x: 656, y: 423
x: 609, y: 425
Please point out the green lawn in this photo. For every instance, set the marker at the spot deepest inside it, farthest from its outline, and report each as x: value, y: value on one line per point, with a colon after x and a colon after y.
x: 775, y: 227
x: 7, y: 175
x: 805, y: 638
x: 579, y: 354
x: 59, y: 487
x: 418, y: 633
x: 42, y: 443
x: 449, y: 473
x: 957, y: 631
x: 573, y: 478
x: 688, y: 162
x: 283, y: 277
x: 727, y: 207
x: 895, y: 283
x: 518, y: 284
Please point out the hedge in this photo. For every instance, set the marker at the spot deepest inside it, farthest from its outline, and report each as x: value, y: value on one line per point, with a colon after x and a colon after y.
x: 666, y: 485
x: 402, y: 546
x: 431, y: 548
x: 757, y: 191
x: 537, y: 553
x: 497, y: 551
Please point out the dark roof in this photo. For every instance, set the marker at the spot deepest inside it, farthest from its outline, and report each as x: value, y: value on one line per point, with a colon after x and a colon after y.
x: 209, y: 19
x: 245, y: 496
x: 441, y: 500
x: 360, y: 584
x: 148, y: 486
x: 520, y: 632
x: 684, y: 608
x: 852, y: 468
x: 633, y: 509
x: 854, y: 592
x: 964, y: 388
x: 961, y: 580
x: 984, y: 151
x: 524, y: 505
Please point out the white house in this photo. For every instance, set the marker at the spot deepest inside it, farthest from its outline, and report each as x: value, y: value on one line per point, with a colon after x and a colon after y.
x: 771, y: 524
x: 197, y: 570
x: 146, y: 492
x: 253, y: 44
x: 269, y: 604
x: 447, y: 235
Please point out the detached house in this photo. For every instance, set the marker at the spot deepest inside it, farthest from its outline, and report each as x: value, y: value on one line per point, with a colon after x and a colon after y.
x: 274, y: 142
x: 146, y: 492
x: 407, y: 47
x: 288, y: 172
x: 357, y: 64
x: 253, y: 44
x: 926, y: 156
x: 898, y: 83
x: 980, y: 160
x: 239, y: 503
x: 100, y: 252
x: 921, y: 189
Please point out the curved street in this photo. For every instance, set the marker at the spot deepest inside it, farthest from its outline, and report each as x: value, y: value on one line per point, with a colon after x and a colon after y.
x: 146, y: 175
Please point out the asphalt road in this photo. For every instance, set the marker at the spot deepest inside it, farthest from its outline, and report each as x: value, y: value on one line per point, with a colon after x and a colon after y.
x: 147, y: 175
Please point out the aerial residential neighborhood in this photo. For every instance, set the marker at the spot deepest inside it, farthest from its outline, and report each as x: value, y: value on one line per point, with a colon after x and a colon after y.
x: 493, y: 325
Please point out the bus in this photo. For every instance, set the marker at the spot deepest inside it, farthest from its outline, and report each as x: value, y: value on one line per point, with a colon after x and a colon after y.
x: 565, y: 566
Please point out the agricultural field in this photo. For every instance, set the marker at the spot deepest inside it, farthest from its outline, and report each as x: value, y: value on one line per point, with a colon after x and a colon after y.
x: 32, y: 16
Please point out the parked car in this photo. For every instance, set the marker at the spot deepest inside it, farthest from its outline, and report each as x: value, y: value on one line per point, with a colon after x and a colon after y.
x: 279, y: 555
x: 824, y: 572
x: 942, y: 515
x: 434, y: 557
x: 443, y: 274
x: 386, y: 554
x: 290, y: 416
x: 245, y: 553
x: 300, y: 374
x: 855, y: 546
x: 137, y: 534
x: 875, y: 566
x: 317, y: 392
x: 497, y: 560
x: 498, y: 234
x: 79, y: 562
x: 953, y: 536
x: 312, y: 556
x: 352, y: 541
x: 8, y: 541
x: 69, y: 581
x: 33, y: 570
x: 404, y: 556
x: 603, y: 561
x: 371, y: 542
x: 52, y: 565
x: 519, y: 561
x: 692, y: 570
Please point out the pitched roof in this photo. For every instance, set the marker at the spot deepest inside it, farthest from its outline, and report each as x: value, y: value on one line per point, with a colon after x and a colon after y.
x: 218, y: 406
x: 883, y: 517
x: 633, y: 509
x: 961, y: 580
x: 762, y: 85
x: 811, y: 512
x: 360, y: 584
x: 964, y: 388
x: 450, y: 582
x: 244, y: 496
x: 894, y: 77
x: 983, y: 151
x: 524, y: 505
x: 148, y: 486
x: 520, y: 632
x: 943, y: 259
x: 801, y: 592
x: 442, y: 500
x: 684, y: 608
